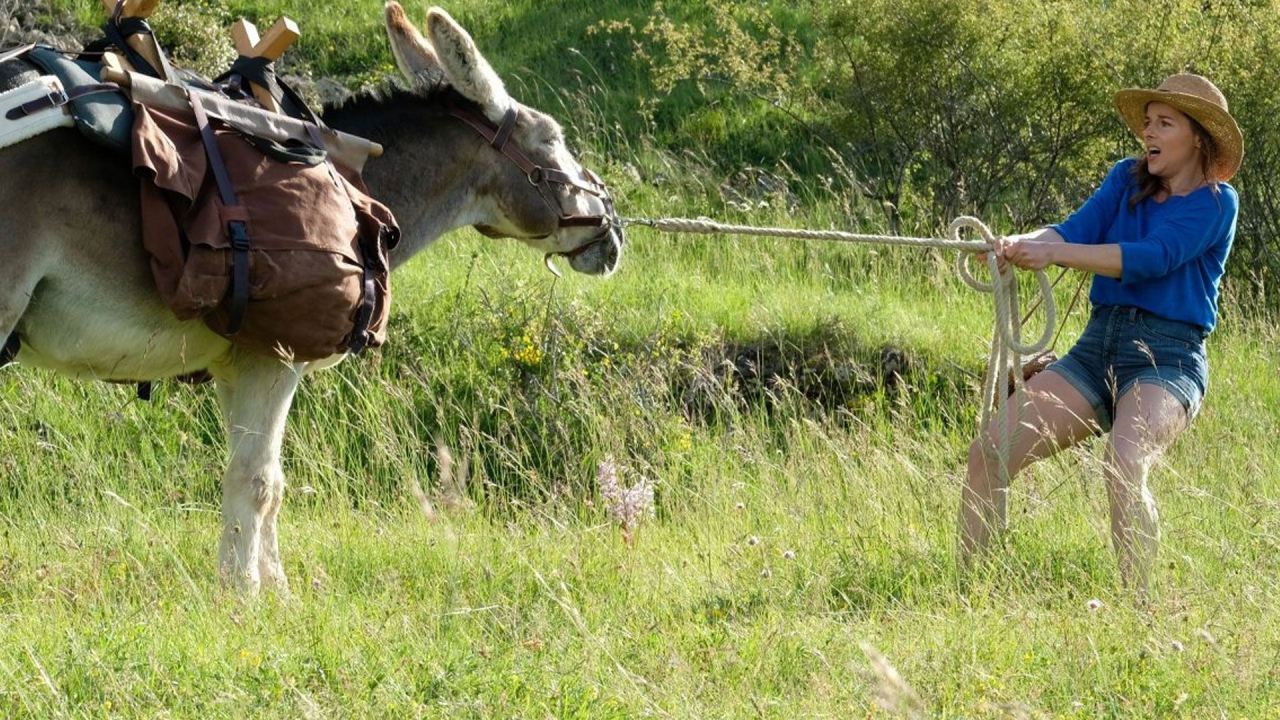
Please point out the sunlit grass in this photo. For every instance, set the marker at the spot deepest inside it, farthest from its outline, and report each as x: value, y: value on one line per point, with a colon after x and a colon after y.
x: 785, y: 538
x: 791, y: 528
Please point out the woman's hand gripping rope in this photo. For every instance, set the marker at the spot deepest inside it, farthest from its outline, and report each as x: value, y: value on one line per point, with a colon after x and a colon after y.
x: 1007, y: 348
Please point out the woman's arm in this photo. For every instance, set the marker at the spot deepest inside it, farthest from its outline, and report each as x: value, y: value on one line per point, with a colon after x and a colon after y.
x: 1045, y: 247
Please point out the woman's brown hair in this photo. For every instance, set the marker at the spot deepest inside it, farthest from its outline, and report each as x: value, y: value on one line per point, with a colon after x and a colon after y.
x: 1149, y: 184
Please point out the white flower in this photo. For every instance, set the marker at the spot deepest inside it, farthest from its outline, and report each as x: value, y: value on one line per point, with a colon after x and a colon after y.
x: 753, y: 541
x: 626, y: 505
x: 1094, y: 605
x: 789, y: 555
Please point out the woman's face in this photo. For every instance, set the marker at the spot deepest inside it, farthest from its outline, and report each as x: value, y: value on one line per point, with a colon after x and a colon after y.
x: 1172, y: 145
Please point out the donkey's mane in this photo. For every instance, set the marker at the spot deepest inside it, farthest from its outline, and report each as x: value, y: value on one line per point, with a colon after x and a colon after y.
x: 391, y: 109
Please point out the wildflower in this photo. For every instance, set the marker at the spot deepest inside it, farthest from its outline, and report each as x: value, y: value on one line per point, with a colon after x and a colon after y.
x: 740, y: 506
x: 1094, y: 605
x: 1176, y: 645
x: 766, y: 573
x: 626, y: 505
x: 789, y: 555
x: 753, y: 541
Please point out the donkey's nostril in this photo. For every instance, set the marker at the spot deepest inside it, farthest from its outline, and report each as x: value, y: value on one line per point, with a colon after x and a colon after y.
x: 613, y: 251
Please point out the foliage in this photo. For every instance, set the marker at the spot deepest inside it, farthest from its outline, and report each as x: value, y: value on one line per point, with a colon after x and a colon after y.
x: 738, y: 47
x: 7, y: 25
x: 989, y: 107
x: 804, y: 411
x: 187, y: 27
x: 925, y: 109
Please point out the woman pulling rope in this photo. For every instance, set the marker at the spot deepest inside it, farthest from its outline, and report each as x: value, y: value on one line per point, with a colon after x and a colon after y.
x: 1156, y: 237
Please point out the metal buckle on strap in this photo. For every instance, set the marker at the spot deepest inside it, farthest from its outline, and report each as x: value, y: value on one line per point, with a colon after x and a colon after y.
x: 54, y: 98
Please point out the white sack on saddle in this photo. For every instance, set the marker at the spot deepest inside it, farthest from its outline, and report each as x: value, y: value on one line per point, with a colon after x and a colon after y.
x: 15, y: 131
x: 348, y: 150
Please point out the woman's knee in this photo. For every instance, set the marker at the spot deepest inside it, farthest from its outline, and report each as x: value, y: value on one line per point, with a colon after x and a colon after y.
x: 984, y: 453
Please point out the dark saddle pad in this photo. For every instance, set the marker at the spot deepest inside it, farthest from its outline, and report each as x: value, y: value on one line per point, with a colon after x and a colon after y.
x: 104, y: 117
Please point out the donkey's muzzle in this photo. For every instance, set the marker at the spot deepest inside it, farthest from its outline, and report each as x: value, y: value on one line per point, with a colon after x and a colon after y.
x: 601, y: 255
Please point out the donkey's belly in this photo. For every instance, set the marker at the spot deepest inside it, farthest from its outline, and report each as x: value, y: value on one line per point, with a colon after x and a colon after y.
x: 110, y: 340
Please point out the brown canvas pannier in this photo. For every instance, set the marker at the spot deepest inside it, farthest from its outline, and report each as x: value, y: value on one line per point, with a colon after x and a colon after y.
x: 317, y: 244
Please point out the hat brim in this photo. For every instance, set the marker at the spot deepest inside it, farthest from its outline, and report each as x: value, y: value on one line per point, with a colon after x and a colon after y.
x: 1132, y: 104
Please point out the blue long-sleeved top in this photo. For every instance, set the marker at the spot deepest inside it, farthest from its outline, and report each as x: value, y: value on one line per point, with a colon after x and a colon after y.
x: 1173, y: 252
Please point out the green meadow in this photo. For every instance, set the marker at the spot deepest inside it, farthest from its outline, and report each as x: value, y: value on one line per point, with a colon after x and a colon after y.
x: 801, y: 410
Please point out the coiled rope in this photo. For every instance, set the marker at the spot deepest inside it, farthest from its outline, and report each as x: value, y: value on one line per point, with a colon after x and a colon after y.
x: 1007, y: 347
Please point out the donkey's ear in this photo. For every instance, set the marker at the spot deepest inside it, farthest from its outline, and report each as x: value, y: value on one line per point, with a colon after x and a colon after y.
x: 464, y: 66
x: 414, y: 55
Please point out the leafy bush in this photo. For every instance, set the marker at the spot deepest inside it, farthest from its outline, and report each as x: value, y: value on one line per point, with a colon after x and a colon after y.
x: 934, y: 108
x: 196, y: 35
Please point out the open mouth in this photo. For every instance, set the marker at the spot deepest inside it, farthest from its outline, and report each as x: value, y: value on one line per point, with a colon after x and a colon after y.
x: 600, y: 255
x: 1153, y: 153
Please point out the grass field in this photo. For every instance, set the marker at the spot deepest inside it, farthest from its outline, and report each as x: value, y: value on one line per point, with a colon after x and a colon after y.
x: 804, y: 521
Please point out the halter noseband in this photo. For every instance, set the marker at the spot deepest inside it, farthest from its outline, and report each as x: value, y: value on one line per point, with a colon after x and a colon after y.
x: 542, y: 177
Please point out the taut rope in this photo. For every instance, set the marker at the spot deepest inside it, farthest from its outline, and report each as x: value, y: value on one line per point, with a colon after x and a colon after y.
x: 1007, y: 348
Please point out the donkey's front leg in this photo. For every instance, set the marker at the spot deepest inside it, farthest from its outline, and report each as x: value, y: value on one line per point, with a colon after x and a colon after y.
x: 255, y: 393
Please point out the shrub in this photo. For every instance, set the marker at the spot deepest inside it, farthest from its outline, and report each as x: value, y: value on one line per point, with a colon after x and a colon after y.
x: 934, y: 108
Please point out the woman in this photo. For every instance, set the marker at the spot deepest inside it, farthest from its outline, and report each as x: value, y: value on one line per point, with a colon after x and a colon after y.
x: 1156, y: 236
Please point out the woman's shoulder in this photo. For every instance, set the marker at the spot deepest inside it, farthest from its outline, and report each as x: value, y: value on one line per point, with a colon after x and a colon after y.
x: 1214, y: 202
x: 1124, y: 165
x: 1227, y: 190
x: 1220, y: 193
x: 1228, y: 199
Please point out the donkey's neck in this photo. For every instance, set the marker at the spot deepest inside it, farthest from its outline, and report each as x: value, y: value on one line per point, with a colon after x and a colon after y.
x: 428, y: 175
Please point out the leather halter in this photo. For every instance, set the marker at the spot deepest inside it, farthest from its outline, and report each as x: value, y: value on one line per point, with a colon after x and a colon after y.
x: 541, y: 177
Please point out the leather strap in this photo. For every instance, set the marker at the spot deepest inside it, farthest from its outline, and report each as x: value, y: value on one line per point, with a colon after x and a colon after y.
x: 118, y: 31
x: 540, y: 177
x: 57, y: 99
x: 10, y: 349
x: 505, y: 130
x: 261, y: 71
x: 369, y: 262
x: 364, y: 314
x: 237, y: 218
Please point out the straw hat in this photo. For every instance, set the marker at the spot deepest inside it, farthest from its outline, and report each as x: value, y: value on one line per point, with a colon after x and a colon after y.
x: 1197, y: 97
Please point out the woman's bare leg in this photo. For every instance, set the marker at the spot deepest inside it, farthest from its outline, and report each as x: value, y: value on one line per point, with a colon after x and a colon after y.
x: 1056, y: 416
x: 1148, y: 418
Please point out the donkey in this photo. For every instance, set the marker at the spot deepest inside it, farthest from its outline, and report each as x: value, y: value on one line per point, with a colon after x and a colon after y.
x: 76, y: 290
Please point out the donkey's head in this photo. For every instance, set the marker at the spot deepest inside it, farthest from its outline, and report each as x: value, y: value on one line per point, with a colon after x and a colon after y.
x: 535, y: 190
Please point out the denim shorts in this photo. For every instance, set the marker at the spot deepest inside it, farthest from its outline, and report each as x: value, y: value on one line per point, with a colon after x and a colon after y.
x: 1123, y: 346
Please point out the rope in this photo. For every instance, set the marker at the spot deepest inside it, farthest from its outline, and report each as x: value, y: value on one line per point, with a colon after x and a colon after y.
x: 1007, y: 347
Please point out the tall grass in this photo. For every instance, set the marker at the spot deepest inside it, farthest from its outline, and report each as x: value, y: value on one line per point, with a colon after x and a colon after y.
x: 804, y: 409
